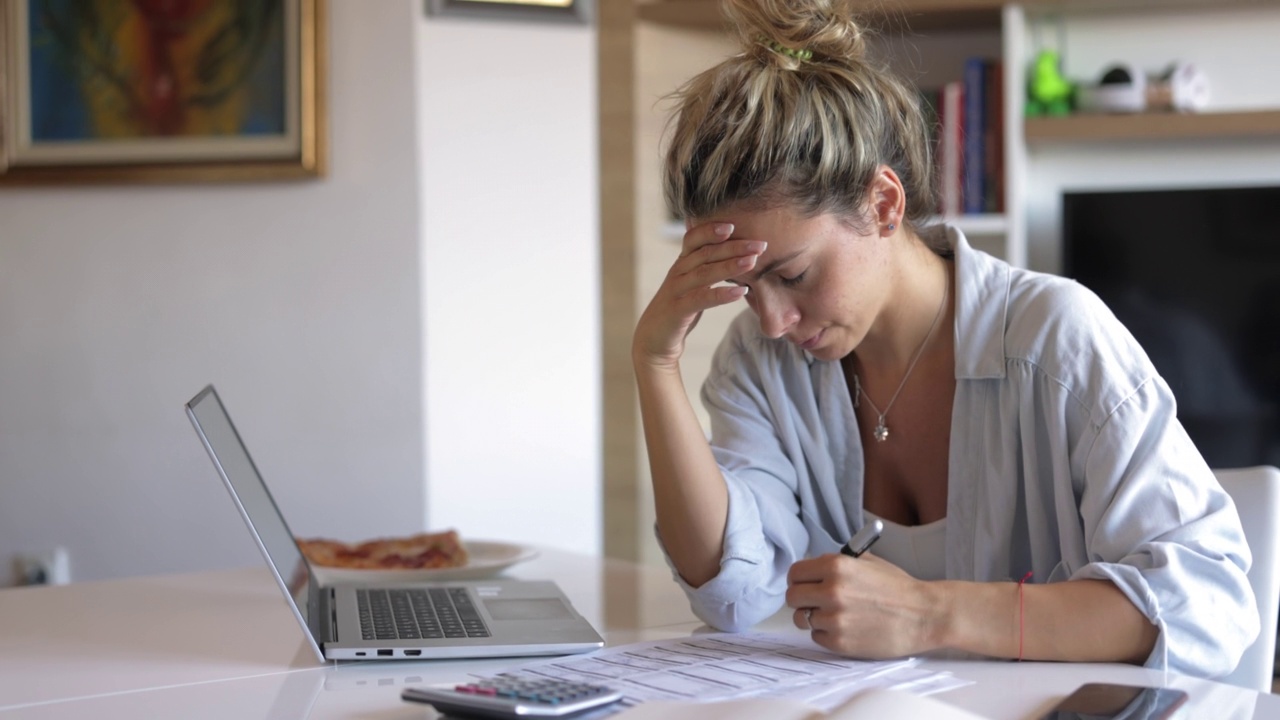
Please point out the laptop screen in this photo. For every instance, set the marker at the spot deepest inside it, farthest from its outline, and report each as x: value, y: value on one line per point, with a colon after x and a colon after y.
x: 250, y: 493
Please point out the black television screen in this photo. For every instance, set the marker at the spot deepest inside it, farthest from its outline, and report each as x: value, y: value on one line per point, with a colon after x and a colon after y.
x: 1195, y: 276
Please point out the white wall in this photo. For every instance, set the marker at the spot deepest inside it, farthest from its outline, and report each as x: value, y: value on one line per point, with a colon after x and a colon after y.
x: 511, y: 280
x: 304, y: 303
x: 1238, y: 51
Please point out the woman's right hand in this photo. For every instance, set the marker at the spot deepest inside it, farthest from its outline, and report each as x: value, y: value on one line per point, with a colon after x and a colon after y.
x: 707, y: 258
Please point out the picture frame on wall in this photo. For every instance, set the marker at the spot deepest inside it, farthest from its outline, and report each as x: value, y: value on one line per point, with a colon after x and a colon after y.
x: 112, y: 91
x: 564, y: 11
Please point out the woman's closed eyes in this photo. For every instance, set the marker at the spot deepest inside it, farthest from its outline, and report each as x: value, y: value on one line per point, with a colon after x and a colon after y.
x: 792, y: 281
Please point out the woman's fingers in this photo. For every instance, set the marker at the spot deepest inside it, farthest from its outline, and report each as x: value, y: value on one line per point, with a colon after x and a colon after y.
x: 864, y: 606
x: 811, y: 584
x: 710, y: 243
x: 804, y: 618
x: 834, y: 579
x: 705, y: 298
x: 710, y: 266
x: 720, y: 261
x: 704, y: 234
x: 817, y: 569
x: 697, y: 281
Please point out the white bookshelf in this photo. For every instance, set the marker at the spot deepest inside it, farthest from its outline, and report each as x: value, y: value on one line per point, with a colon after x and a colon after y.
x: 937, y: 34
x: 985, y: 224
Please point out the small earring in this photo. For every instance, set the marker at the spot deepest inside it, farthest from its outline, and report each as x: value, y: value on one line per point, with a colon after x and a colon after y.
x: 890, y: 227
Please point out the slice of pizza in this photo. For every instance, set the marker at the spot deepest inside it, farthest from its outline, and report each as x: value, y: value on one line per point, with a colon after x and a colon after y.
x: 424, y: 551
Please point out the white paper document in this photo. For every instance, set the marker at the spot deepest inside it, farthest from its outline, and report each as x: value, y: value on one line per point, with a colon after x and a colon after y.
x: 725, y: 666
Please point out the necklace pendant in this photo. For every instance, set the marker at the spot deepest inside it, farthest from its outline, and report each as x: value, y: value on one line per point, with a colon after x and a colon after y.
x: 881, y: 432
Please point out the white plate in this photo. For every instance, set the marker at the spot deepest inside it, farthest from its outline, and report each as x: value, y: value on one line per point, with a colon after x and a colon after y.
x: 484, y: 559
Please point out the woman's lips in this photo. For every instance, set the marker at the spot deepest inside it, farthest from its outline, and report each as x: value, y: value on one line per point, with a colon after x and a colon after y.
x: 812, y: 342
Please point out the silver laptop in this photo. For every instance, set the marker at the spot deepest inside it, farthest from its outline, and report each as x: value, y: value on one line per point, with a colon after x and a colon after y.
x: 489, y: 618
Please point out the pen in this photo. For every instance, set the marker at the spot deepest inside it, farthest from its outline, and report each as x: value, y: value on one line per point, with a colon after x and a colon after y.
x: 863, y: 539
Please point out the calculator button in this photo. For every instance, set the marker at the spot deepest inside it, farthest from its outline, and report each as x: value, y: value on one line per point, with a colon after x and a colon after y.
x: 513, y: 698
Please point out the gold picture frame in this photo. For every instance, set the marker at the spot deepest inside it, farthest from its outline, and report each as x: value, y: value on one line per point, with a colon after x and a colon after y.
x: 555, y: 11
x: 82, y: 101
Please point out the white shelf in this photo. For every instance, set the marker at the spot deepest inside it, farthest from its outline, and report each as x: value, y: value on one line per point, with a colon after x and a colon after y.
x: 985, y: 224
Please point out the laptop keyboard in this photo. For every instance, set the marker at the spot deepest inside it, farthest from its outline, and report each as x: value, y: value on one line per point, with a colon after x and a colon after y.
x: 419, y: 614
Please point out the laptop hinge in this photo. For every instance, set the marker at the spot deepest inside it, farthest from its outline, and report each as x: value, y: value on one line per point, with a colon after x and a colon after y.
x: 326, y: 617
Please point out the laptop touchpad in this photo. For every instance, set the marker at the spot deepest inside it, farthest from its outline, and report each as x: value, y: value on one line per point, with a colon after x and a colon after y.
x: 547, y: 609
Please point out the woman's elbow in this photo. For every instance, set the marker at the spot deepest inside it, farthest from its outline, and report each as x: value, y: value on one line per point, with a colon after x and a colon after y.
x: 733, y: 617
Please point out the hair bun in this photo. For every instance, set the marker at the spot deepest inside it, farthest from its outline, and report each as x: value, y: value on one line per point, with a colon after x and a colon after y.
x: 824, y: 28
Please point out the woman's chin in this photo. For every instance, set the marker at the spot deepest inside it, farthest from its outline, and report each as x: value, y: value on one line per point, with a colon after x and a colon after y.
x: 827, y: 353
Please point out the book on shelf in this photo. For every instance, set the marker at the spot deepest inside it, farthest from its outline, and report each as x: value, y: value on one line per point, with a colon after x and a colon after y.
x: 968, y: 120
x: 951, y: 153
x: 974, y: 135
x: 993, y: 137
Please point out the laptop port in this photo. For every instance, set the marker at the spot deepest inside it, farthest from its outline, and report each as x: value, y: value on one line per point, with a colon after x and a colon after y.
x: 413, y: 653
x: 385, y: 653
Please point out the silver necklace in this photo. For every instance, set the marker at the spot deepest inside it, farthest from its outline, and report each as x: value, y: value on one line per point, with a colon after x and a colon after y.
x: 881, y: 433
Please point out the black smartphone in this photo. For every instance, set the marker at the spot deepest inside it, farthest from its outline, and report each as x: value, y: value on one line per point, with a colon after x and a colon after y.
x: 1104, y: 701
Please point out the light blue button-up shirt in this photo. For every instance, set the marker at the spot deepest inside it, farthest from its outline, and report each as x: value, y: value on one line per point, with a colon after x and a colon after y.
x: 1067, y: 460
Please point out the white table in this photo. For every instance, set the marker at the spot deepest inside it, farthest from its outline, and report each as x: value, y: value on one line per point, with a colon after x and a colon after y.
x: 223, y: 644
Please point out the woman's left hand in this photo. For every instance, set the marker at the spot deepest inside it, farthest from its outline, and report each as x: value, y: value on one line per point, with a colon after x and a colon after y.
x: 863, y: 607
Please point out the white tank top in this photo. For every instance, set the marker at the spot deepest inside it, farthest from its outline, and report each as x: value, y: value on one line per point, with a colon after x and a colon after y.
x: 920, y: 550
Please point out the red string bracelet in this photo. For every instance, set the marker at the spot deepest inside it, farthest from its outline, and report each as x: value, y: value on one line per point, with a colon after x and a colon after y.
x: 1021, y: 613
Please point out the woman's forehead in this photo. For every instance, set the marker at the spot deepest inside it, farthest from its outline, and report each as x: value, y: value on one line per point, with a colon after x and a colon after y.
x: 780, y: 225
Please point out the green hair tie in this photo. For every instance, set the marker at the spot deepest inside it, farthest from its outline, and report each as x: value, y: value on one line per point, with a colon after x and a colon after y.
x: 781, y: 49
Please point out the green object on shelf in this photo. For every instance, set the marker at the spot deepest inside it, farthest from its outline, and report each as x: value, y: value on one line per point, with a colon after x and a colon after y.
x: 1048, y: 92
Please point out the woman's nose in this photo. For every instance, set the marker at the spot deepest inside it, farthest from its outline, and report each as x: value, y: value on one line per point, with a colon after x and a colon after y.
x: 776, y: 318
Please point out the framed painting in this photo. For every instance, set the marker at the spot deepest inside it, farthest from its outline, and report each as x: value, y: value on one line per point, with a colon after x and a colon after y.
x: 160, y: 91
x: 570, y: 11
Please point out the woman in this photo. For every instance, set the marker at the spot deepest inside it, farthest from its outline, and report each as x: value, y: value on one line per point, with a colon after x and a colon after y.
x: 1001, y: 422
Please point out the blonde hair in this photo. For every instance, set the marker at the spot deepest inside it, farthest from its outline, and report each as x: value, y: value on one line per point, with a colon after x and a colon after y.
x: 801, y: 116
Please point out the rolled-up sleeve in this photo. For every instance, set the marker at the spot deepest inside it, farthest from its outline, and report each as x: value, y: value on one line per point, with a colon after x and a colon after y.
x: 1159, y: 526
x: 764, y: 534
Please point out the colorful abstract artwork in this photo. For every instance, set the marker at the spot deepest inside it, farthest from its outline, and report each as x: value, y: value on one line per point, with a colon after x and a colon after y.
x: 157, y: 82
x: 155, y: 68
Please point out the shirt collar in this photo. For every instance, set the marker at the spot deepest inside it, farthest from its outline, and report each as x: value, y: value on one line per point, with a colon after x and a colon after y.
x: 982, y: 307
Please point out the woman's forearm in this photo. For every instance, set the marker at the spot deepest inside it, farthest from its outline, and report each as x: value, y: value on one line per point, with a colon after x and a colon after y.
x: 1074, y: 621
x: 690, y: 498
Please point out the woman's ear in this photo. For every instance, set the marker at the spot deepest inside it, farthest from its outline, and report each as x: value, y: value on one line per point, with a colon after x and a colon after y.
x: 888, y: 200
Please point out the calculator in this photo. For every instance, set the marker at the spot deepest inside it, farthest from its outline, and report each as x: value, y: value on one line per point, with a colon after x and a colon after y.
x: 515, y: 697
